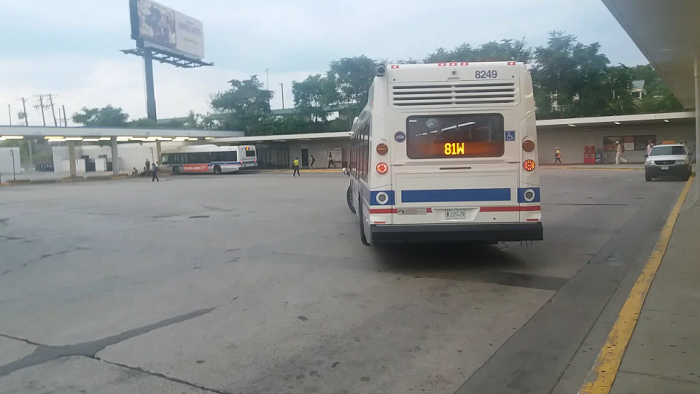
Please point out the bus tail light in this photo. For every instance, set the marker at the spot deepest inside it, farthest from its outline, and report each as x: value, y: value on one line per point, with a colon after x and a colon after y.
x: 382, y: 149
x: 529, y: 165
x: 382, y: 168
x: 528, y: 146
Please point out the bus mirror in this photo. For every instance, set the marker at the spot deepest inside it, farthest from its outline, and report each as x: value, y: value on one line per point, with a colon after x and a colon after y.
x: 346, y: 171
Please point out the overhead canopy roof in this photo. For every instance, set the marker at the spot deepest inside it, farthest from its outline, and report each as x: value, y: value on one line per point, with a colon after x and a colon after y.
x: 74, y: 133
x: 668, y: 34
x: 285, y: 137
x: 642, y: 120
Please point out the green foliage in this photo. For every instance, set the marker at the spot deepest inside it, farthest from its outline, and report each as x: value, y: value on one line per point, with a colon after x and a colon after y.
x: 506, y: 50
x: 658, y: 98
x: 352, y: 77
x: 101, y: 117
x: 245, y: 103
x: 314, y: 96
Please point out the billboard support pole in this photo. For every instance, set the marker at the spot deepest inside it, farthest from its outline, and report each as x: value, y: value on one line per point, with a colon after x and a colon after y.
x: 150, y: 88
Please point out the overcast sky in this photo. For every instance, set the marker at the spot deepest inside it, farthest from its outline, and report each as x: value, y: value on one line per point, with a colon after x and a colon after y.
x: 70, y: 48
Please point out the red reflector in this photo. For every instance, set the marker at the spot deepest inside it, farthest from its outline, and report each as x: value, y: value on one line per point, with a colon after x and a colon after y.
x: 453, y: 63
x: 511, y: 63
x: 382, y: 168
x: 442, y: 64
x: 394, y: 66
x: 464, y: 64
x: 529, y: 165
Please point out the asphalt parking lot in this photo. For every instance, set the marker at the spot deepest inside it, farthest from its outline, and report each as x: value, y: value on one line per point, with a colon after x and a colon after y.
x: 258, y: 283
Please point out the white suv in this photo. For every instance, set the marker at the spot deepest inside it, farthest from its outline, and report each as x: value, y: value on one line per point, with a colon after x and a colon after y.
x: 668, y: 160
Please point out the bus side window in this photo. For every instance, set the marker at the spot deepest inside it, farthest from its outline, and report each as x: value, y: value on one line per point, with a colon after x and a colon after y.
x: 232, y: 156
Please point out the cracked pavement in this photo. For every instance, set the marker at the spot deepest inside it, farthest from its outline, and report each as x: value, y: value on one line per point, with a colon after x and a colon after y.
x: 258, y: 283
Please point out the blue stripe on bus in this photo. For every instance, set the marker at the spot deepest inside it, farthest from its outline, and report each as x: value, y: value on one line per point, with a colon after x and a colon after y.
x: 521, y: 195
x: 455, y: 195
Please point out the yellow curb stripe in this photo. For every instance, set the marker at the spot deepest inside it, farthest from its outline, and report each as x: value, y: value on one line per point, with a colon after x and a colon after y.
x: 603, y: 374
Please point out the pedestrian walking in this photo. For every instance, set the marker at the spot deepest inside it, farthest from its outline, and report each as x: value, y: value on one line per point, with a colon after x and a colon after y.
x: 330, y: 160
x: 148, y: 167
x: 313, y: 162
x: 296, y: 167
x: 649, y: 147
x: 557, y: 156
x: 620, y: 149
x: 154, y: 171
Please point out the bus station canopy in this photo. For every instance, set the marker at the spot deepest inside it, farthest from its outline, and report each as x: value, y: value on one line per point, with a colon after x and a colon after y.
x: 668, y: 34
x: 105, y: 133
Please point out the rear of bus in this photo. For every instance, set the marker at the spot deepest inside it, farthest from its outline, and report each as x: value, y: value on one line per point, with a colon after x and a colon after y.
x: 453, y: 154
x: 248, y: 156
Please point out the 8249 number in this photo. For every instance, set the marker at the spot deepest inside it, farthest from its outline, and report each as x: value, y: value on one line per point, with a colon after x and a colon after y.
x: 485, y: 74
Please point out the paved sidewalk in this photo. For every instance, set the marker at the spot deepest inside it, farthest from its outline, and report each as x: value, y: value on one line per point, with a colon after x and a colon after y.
x: 663, y: 355
x: 639, y: 166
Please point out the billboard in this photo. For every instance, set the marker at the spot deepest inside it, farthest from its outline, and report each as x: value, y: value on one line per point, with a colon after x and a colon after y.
x: 164, y: 27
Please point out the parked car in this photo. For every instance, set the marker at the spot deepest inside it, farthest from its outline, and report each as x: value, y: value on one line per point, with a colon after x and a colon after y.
x: 668, y: 159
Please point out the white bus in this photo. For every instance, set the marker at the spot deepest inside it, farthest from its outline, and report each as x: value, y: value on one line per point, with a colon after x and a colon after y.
x: 208, y: 158
x: 447, y: 152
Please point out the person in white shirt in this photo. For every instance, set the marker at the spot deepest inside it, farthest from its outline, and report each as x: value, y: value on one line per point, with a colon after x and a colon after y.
x: 618, y: 155
x: 651, y: 145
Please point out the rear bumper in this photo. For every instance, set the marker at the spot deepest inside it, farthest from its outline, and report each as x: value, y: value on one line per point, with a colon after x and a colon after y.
x: 673, y: 170
x: 457, y: 232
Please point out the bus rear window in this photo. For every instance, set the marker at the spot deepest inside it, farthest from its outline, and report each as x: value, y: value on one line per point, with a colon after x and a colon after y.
x: 446, y: 136
x: 250, y: 153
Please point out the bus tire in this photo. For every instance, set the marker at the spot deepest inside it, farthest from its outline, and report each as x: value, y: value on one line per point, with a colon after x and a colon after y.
x: 176, y: 170
x: 217, y: 169
x: 349, y: 198
x: 363, y: 237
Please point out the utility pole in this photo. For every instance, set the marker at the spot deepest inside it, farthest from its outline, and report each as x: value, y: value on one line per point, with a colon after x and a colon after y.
x: 267, y: 75
x: 65, y: 118
x: 26, y: 124
x: 42, y: 107
x: 9, y: 113
x: 24, y: 108
x: 53, y: 112
x: 282, y: 86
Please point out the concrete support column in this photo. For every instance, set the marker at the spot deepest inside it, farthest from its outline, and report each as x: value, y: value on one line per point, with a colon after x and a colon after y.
x: 115, y: 157
x: 697, y: 113
x: 71, y: 158
x: 158, y: 149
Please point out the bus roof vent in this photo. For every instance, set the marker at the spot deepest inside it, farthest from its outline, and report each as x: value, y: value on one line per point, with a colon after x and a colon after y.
x: 454, y: 94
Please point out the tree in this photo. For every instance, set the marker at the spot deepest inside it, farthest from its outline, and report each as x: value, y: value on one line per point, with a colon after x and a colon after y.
x: 574, y: 80
x: 352, y: 77
x: 101, y: 117
x: 658, y: 97
x: 505, y: 50
x: 314, y: 96
x: 246, y: 102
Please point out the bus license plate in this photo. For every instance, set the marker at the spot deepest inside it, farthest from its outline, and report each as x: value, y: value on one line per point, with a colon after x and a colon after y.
x: 664, y: 168
x: 456, y: 214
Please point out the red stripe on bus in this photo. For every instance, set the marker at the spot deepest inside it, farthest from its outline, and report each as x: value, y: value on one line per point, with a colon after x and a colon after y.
x: 533, y: 220
x: 383, y: 210
x: 511, y: 209
x: 527, y: 208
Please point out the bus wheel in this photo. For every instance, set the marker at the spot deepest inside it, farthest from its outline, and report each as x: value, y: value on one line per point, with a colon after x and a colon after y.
x: 349, y: 198
x: 176, y: 170
x: 217, y: 169
x: 363, y: 237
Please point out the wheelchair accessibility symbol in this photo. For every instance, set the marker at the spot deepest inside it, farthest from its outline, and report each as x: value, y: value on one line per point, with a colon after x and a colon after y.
x: 510, y: 135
